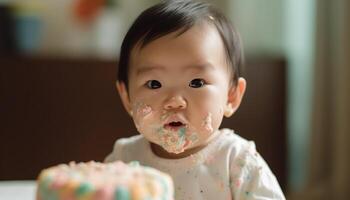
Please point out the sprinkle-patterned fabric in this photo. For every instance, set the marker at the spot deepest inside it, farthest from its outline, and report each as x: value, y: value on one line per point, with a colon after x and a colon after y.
x: 228, y: 168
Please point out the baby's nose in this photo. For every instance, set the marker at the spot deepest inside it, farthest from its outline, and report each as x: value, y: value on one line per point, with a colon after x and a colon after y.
x: 177, y: 102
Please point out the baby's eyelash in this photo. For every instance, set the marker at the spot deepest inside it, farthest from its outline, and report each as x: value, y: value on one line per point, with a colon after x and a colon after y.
x: 197, y: 83
x: 194, y: 83
x: 153, y: 84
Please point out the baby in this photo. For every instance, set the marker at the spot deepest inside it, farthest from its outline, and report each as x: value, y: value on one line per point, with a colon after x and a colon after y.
x: 179, y: 75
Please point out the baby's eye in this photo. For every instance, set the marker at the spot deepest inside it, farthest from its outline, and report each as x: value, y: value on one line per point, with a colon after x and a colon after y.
x: 153, y: 84
x: 197, y: 83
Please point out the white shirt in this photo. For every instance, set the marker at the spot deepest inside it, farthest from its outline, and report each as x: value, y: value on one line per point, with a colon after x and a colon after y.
x: 227, y: 168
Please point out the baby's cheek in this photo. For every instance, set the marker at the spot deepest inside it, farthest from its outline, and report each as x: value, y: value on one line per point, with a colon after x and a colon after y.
x: 141, y: 114
x: 211, y: 121
x: 206, y: 124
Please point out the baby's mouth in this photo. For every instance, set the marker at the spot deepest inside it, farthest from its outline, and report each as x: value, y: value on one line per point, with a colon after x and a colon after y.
x: 174, y: 126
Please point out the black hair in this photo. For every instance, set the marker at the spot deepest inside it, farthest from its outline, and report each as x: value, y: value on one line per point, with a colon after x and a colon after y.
x: 179, y: 15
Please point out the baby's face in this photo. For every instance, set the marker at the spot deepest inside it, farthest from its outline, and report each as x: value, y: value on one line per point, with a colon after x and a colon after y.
x: 179, y: 88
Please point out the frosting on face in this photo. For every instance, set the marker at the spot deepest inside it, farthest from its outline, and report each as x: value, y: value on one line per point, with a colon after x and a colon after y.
x: 176, y: 141
x: 141, y: 111
x: 171, y: 130
x: 207, y: 123
x: 185, y: 109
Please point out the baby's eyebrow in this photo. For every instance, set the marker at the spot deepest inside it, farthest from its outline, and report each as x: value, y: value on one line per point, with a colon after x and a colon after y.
x: 201, y: 67
x: 197, y: 67
x: 146, y: 69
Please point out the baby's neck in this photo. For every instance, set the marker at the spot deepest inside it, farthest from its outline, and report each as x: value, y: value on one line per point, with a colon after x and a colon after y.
x: 160, y: 152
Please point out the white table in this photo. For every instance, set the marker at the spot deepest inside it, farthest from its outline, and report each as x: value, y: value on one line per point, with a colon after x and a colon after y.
x: 17, y: 190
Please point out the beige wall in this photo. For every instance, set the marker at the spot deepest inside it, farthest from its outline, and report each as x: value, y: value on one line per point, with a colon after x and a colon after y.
x: 260, y: 24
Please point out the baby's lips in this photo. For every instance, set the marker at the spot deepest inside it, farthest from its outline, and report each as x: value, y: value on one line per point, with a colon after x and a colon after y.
x: 175, y: 118
x: 174, y: 126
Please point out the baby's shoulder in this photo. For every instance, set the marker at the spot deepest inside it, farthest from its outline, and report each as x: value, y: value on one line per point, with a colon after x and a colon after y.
x: 136, y: 139
x: 131, y: 144
x: 125, y: 148
x: 242, y: 151
x: 236, y: 143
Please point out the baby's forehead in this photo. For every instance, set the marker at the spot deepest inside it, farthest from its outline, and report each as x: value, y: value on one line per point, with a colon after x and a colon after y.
x: 146, y: 38
x: 197, y: 45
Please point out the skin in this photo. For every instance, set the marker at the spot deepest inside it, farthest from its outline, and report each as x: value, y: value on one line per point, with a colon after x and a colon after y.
x: 176, y: 60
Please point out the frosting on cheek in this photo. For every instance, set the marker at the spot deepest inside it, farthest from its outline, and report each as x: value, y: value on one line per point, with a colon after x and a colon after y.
x: 142, y: 112
x: 143, y: 109
x: 207, y: 123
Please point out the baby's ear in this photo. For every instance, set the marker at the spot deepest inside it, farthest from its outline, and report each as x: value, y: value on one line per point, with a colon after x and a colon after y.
x: 235, y: 95
x: 124, y: 96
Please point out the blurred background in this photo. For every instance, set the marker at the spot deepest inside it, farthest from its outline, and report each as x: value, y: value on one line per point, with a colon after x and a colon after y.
x: 58, y: 64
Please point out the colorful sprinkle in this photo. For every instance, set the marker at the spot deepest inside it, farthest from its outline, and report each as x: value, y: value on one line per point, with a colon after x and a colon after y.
x: 122, y: 193
x: 84, y: 189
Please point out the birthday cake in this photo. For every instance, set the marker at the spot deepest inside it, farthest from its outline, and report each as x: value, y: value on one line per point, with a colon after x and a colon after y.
x: 103, y: 181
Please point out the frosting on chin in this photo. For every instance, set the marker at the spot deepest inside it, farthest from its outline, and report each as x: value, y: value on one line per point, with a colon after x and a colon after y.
x: 176, y: 140
x: 170, y: 140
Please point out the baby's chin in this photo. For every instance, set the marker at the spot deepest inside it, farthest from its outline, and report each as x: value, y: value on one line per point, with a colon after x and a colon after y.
x: 175, y: 138
x: 173, y: 150
x: 176, y: 153
x: 171, y: 141
x: 182, y: 148
x: 170, y: 153
x: 172, y: 144
x: 178, y: 147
